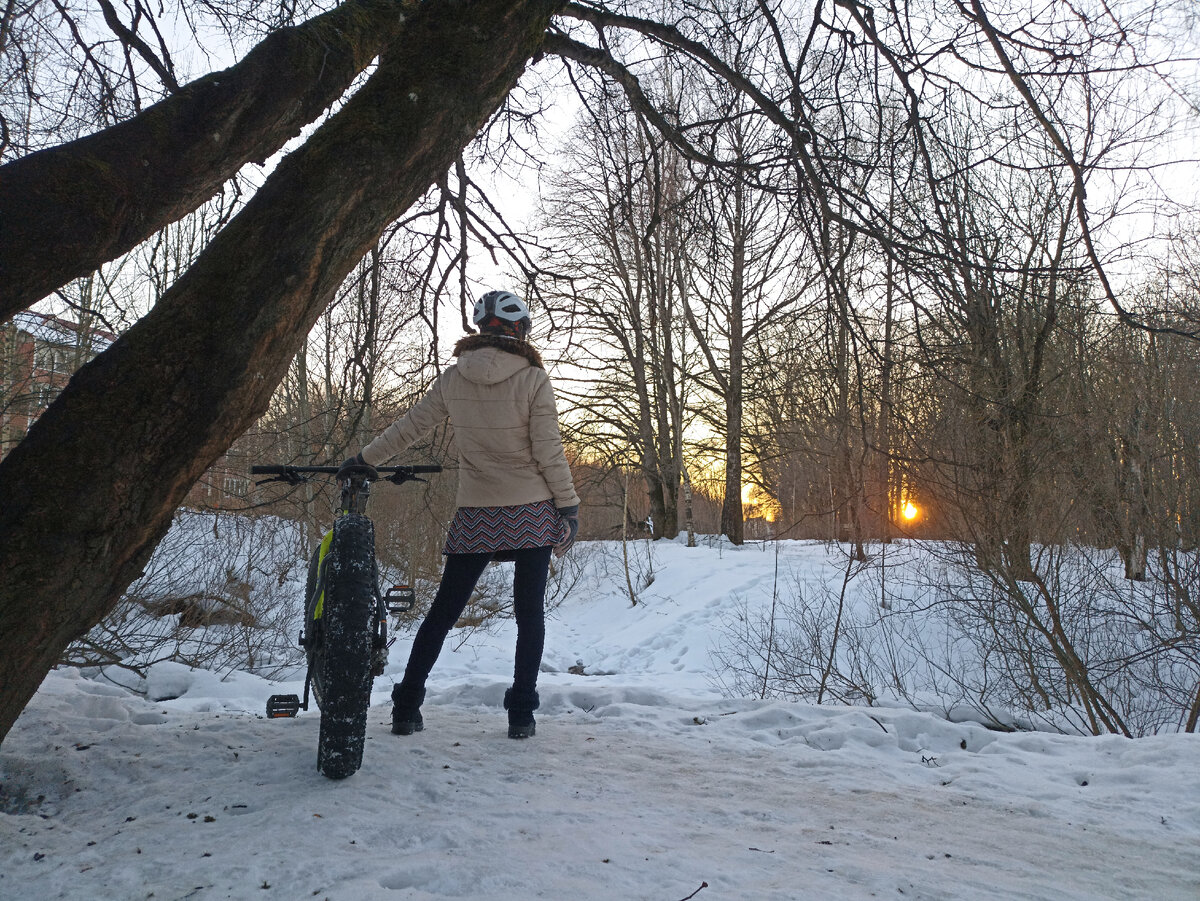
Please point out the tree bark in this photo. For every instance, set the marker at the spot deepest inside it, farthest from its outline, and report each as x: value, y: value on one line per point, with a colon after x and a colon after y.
x: 689, y: 523
x: 90, y: 492
x: 733, y: 516
x: 883, y: 438
x: 66, y: 210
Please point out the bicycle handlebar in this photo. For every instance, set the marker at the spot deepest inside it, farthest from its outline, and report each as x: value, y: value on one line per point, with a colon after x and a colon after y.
x: 274, y: 469
x: 298, y: 475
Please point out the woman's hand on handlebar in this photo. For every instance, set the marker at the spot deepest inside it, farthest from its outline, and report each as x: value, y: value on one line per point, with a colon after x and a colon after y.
x: 357, y: 465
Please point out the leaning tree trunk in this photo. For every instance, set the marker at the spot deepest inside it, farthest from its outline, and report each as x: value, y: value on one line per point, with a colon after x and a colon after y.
x: 84, y: 203
x: 90, y: 491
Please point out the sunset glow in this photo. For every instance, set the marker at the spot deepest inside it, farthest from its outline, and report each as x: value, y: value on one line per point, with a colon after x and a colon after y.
x: 756, y: 502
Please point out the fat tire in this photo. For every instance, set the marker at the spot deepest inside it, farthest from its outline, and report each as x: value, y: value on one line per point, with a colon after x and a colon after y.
x: 344, y: 662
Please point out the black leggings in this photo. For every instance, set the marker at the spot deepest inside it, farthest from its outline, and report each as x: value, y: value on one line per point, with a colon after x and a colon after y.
x: 458, y: 581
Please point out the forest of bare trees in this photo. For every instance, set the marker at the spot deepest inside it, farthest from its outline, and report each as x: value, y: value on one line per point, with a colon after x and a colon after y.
x: 833, y: 258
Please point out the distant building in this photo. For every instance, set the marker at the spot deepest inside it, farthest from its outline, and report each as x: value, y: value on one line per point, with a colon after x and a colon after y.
x: 38, y: 355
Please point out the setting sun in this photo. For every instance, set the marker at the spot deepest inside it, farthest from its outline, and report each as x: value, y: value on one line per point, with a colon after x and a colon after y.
x: 911, y: 511
x: 757, y: 503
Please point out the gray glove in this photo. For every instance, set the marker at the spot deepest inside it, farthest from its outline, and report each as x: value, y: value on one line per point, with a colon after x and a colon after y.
x: 356, y: 465
x: 570, y: 517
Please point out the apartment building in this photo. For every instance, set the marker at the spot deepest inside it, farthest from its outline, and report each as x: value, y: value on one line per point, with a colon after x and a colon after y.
x: 38, y: 354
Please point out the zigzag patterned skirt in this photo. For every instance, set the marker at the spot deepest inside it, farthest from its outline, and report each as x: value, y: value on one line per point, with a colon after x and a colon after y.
x: 480, y: 530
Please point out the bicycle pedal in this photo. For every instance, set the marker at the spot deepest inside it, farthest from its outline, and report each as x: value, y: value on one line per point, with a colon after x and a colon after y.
x: 282, y: 706
x: 400, y: 599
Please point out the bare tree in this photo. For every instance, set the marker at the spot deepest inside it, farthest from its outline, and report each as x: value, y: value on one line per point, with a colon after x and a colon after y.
x: 82, y: 203
x: 254, y: 292
x: 614, y: 210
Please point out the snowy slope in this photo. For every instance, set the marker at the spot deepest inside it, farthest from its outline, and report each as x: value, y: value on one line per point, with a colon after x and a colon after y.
x: 643, y: 782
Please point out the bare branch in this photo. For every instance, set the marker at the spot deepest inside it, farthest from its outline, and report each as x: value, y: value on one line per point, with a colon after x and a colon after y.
x: 162, y: 67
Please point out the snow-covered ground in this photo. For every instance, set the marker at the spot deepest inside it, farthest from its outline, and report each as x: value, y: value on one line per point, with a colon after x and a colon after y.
x: 643, y: 781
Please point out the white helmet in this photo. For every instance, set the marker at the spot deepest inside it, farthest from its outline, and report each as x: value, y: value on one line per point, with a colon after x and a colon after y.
x: 502, y: 313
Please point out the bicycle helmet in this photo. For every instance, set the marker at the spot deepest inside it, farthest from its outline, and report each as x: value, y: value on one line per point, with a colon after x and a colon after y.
x: 502, y: 313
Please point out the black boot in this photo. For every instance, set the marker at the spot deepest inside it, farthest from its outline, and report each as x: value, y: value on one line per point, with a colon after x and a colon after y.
x: 406, y: 709
x: 520, y: 706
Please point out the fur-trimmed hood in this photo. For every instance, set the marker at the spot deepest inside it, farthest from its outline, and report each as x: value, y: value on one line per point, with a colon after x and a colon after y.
x: 508, y: 345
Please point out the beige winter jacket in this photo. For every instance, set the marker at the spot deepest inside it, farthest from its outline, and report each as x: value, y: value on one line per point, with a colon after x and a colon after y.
x: 501, y: 404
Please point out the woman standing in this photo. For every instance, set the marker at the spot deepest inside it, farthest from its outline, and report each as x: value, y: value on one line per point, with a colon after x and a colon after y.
x: 516, y: 499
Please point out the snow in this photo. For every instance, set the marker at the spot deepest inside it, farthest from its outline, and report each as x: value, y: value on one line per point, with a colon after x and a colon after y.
x: 644, y: 780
